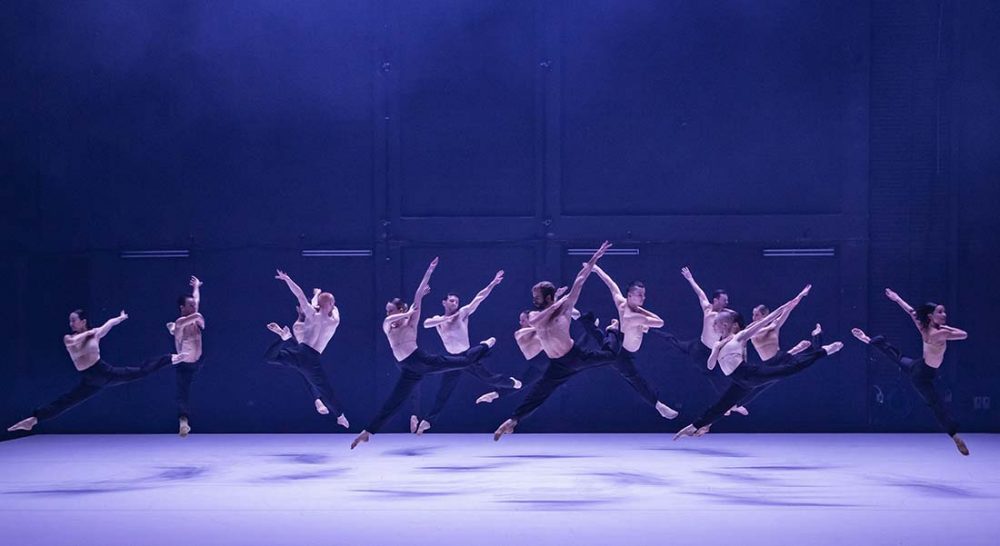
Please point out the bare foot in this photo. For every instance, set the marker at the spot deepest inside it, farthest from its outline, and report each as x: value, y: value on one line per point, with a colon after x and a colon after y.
x: 740, y: 410
x: 414, y: 421
x: 817, y: 330
x: 800, y: 346
x: 273, y: 326
x: 184, y: 428
x: 489, y: 342
x: 702, y: 431
x: 960, y: 444
x: 488, y: 398
x: 666, y: 411
x: 321, y: 407
x: 24, y: 424
x: 613, y: 326
x: 686, y: 431
x: 280, y: 331
x: 860, y: 334
x: 422, y: 427
x: 363, y: 437
x: 833, y: 347
x: 517, y: 382
x: 179, y: 358
x: 507, y: 427
x: 342, y: 421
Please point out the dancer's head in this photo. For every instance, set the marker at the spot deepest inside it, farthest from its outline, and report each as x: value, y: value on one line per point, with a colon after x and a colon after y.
x: 78, y: 321
x: 720, y: 299
x: 395, y: 306
x: 543, y: 294
x: 450, y: 303
x: 760, y: 312
x: 728, y: 322
x: 185, y: 303
x: 931, y: 314
x: 326, y: 302
x: 635, y: 294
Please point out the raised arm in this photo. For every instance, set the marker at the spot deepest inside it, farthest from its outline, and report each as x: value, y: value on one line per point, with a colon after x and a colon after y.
x: 616, y: 292
x: 702, y: 298
x: 424, y: 287
x: 103, y: 329
x: 889, y: 293
x: 574, y: 291
x: 304, y: 305
x: 755, y: 328
x: 398, y: 318
x: 196, y: 292
x: 471, y: 307
x: 315, y: 299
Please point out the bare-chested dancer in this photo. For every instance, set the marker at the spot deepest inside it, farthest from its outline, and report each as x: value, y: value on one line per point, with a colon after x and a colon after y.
x: 931, y: 321
x: 453, y: 327
x: 400, y: 328
x: 566, y: 357
x: 83, y: 345
x: 730, y: 355
x: 319, y: 324
x: 187, y: 340
x: 633, y: 322
x: 697, y: 350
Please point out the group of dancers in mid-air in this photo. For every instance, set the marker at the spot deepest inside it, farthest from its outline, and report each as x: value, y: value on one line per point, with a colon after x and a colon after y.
x: 544, y: 338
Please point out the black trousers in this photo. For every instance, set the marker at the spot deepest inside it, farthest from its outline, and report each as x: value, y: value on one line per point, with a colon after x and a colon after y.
x: 449, y: 381
x: 697, y: 354
x: 624, y: 364
x: 185, y: 376
x: 412, y: 372
x: 922, y: 378
x: 560, y: 370
x: 747, y: 378
x: 96, y: 378
x: 304, y: 360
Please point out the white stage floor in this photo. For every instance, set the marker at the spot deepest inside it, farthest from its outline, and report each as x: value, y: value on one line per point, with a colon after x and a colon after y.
x: 450, y: 489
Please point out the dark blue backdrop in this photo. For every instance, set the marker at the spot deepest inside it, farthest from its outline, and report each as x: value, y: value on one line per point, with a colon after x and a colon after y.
x: 495, y: 134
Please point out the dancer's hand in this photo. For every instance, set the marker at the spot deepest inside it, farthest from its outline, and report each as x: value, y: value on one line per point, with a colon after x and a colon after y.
x: 805, y: 291
x: 281, y: 275
x: 424, y: 290
x: 498, y: 278
x: 560, y: 291
x: 891, y: 295
x: 686, y: 273
x: 122, y: 316
x: 195, y: 282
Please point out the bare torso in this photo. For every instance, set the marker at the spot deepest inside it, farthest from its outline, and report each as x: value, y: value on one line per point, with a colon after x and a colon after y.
x: 84, y: 349
x: 935, y: 345
x: 455, y: 333
x: 767, y: 343
x: 187, y: 341
x: 732, y: 355
x: 402, y: 336
x: 709, y: 337
x: 318, y: 329
x: 633, y: 327
x: 553, y: 334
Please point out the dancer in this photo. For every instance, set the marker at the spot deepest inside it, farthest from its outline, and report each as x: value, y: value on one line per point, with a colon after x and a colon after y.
x: 319, y: 324
x: 931, y: 321
x: 633, y: 322
x: 697, y: 350
x: 527, y: 341
x: 453, y: 328
x: 187, y: 340
x: 400, y: 328
x: 730, y: 354
x: 83, y: 346
x: 566, y: 357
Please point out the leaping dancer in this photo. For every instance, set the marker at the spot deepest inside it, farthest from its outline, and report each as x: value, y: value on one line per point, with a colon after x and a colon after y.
x: 931, y: 321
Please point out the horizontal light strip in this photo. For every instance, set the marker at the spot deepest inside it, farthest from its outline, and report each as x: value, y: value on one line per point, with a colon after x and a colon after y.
x: 610, y: 252
x: 132, y: 254
x: 336, y: 253
x: 799, y: 252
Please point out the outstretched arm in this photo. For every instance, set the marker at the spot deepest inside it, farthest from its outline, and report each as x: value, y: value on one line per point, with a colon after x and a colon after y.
x: 702, y: 298
x: 889, y: 293
x: 651, y: 319
x: 570, y: 299
x: 111, y: 323
x: 315, y: 299
x: 424, y: 287
x: 755, y: 328
x: 954, y: 334
x: 616, y: 292
x: 482, y: 295
x: 196, y: 292
x: 192, y: 318
x: 304, y: 306
x: 438, y: 319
